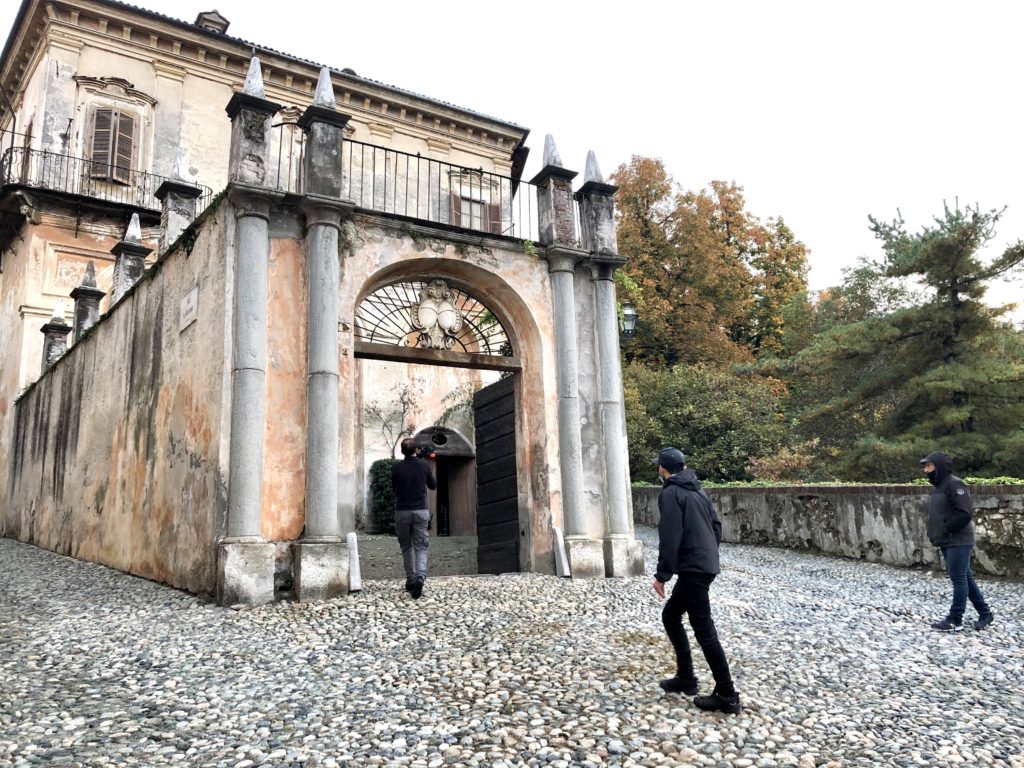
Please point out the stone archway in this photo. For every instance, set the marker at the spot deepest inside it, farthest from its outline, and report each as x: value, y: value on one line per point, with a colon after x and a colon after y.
x: 523, y: 357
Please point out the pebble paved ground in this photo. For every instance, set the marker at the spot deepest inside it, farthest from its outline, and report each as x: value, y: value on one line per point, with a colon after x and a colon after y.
x: 833, y: 659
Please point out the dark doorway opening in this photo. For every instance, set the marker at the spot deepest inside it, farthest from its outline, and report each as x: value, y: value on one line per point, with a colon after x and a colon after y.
x: 453, y: 504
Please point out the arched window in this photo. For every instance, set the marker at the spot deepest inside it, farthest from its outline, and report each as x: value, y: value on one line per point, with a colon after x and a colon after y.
x: 430, y: 314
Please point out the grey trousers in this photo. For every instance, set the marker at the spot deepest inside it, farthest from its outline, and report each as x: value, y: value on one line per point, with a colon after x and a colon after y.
x: 413, y: 529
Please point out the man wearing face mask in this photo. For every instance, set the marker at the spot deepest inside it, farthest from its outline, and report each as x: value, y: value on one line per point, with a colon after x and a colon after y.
x: 689, y: 533
x: 950, y: 529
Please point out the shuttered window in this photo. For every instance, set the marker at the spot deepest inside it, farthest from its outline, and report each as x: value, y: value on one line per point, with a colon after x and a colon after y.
x: 113, y: 145
x: 473, y: 214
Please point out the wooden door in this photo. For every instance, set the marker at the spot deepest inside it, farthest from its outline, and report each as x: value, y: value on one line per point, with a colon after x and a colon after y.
x: 497, y: 522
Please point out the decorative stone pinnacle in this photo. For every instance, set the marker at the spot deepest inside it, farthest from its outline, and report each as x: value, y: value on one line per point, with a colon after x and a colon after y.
x: 254, y: 79
x: 59, y: 313
x: 324, y: 96
x: 551, y: 152
x: 89, y: 280
x: 592, y: 172
x: 134, y: 232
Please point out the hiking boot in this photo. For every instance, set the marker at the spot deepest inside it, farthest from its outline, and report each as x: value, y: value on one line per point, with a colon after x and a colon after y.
x: 948, y: 625
x: 417, y: 589
x: 983, y: 621
x: 716, y: 702
x: 677, y: 684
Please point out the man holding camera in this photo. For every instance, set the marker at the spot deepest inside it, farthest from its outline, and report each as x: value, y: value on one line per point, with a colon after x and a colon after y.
x: 410, y: 479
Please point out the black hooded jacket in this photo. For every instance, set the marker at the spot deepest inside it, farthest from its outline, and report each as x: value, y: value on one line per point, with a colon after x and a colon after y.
x: 949, y: 509
x: 689, y: 530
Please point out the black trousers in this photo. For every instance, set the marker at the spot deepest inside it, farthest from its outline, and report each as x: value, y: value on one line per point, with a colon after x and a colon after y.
x: 690, y: 596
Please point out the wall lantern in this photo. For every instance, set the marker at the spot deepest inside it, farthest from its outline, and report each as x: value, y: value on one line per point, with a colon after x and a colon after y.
x: 627, y: 324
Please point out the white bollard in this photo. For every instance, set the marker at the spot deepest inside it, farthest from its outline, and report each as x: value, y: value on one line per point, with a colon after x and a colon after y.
x: 355, y: 577
x: 561, y: 558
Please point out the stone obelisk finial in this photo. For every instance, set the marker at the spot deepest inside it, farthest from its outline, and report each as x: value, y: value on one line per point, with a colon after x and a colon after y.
x: 129, y: 260
x: 87, y: 302
x: 251, y: 117
x: 55, y: 336
x: 556, y: 219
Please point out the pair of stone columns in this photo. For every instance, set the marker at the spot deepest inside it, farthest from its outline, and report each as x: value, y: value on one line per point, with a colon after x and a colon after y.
x: 245, y: 559
x: 605, y: 546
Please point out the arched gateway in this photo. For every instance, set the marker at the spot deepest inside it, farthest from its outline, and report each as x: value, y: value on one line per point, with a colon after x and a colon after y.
x: 241, y: 462
x: 555, y: 305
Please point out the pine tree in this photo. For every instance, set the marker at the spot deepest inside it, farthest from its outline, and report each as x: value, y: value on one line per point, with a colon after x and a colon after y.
x: 944, y: 373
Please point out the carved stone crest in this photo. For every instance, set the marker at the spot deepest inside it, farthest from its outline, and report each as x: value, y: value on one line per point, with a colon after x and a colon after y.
x: 436, y: 317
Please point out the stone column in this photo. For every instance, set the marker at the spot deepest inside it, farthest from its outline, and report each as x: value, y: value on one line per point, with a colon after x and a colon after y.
x: 558, y: 234
x: 87, y: 302
x: 245, y: 571
x: 322, y: 557
x: 177, y: 206
x: 55, y: 336
x: 623, y: 554
x: 129, y: 260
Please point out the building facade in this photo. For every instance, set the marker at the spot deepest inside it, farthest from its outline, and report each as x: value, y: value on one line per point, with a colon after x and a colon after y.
x: 234, y: 231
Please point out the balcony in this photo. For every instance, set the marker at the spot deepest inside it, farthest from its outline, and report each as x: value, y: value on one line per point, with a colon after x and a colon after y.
x: 416, y: 187
x: 79, y: 177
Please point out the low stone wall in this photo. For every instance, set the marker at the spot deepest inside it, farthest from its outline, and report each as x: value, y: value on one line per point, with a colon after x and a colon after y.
x: 882, y: 524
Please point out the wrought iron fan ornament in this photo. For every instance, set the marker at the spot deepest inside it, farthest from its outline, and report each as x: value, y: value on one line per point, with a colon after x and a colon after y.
x: 430, y: 315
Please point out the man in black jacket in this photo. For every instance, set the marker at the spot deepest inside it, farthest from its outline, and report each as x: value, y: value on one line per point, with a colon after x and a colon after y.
x: 950, y: 529
x: 410, y: 479
x: 689, y: 533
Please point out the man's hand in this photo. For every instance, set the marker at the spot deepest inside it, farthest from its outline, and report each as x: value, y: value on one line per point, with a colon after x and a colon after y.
x: 659, y: 587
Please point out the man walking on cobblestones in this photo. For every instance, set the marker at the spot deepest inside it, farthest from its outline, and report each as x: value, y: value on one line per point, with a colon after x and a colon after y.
x: 951, y: 530
x: 689, y: 533
x: 410, y: 478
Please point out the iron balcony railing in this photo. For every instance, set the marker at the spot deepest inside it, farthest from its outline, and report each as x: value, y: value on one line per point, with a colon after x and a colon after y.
x: 387, y: 180
x: 78, y: 176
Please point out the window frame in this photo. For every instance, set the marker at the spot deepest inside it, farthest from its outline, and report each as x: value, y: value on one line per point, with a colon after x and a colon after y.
x: 115, y: 161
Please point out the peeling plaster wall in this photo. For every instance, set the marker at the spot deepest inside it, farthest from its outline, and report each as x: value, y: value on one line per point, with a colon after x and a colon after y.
x: 44, y: 264
x: 116, y: 454
x: 283, y: 513
x: 883, y: 524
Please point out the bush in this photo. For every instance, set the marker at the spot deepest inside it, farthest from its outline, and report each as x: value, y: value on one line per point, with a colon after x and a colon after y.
x: 382, y: 497
x: 719, y: 419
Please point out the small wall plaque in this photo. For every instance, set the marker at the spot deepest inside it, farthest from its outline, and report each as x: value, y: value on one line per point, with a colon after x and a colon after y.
x: 189, y: 308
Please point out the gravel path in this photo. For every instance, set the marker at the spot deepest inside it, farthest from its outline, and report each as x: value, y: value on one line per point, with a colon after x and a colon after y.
x: 833, y: 659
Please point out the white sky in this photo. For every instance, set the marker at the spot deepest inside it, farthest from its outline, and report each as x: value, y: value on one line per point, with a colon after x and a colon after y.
x: 823, y: 112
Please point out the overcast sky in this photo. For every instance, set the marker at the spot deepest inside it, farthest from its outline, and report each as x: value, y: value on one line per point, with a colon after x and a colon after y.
x: 823, y: 112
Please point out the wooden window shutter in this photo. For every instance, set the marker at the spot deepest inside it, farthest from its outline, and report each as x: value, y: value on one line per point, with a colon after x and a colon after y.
x: 102, y: 142
x: 493, y: 213
x: 456, y: 206
x: 123, y: 149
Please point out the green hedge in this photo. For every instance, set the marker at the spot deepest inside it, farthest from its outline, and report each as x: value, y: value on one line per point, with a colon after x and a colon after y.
x: 382, y: 497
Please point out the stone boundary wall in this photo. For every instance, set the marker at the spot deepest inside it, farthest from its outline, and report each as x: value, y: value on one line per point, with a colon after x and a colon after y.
x: 116, y: 454
x: 881, y: 524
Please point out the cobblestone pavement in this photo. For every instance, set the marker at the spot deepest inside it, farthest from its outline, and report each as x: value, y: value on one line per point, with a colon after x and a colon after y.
x: 834, y: 661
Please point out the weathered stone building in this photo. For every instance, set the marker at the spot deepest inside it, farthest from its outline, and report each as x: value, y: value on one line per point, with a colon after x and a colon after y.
x: 201, y: 422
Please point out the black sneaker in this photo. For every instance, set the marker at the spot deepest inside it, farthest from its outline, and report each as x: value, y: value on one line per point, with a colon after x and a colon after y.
x: 716, y: 702
x: 948, y: 625
x: 984, y: 621
x: 679, y: 684
x: 417, y: 589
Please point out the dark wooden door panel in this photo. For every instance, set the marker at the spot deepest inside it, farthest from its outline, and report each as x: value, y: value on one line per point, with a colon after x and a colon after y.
x: 497, y: 489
